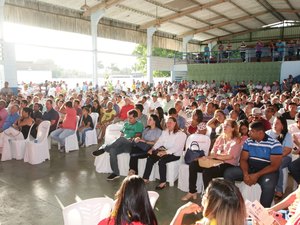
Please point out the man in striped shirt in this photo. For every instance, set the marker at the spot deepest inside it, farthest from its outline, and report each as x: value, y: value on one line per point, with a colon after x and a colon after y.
x: 259, y: 163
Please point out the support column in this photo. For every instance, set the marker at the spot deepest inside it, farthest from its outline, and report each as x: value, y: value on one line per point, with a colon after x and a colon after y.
x: 150, y: 32
x: 1, y: 42
x: 185, y: 41
x: 95, y: 17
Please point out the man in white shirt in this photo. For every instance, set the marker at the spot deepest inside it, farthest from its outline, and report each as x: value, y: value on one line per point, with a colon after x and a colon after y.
x: 145, y: 104
x: 168, y: 103
x: 154, y: 103
x: 180, y: 112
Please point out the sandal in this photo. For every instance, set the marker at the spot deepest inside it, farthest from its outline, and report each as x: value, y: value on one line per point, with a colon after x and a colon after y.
x: 189, y: 196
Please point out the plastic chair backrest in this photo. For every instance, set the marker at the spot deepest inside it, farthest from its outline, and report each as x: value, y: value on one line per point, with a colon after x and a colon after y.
x: 88, y: 212
x: 202, y: 140
x: 153, y: 196
x: 77, y: 122
x: 95, y: 119
x: 28, y: 136
x: 43, y: 130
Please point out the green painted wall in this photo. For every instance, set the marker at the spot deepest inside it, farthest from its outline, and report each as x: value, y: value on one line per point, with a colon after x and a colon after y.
x: 264, y: 72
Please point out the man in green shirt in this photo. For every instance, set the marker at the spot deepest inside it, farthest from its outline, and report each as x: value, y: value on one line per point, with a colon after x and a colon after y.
x: 131, y: 129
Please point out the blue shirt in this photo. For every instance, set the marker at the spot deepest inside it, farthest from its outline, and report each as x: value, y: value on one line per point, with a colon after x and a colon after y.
x: 10, y: 120
x: 287, y: 141
x: 181, y: 122
x: 260, y: 152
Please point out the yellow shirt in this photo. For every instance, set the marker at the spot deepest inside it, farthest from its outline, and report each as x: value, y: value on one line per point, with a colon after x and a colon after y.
x: 107, y: 115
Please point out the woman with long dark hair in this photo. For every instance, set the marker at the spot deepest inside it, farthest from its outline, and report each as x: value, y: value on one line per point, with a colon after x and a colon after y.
x: 160, y: 113
x: 149, y: 136
x: 280, y: 132
x: 168, y: 148
x: 132, y: 205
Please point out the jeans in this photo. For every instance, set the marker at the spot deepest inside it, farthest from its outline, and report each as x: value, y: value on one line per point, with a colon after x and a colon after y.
x: 284, y: 163
x: 162, y: 164
x: 121, y: 145
x: 243, y: 56
x: 258, y: 56
x: 61, y: 134
x: 135, y: 155
x: 82, y: 134
x: 294, y: 168
x: 267, y: 183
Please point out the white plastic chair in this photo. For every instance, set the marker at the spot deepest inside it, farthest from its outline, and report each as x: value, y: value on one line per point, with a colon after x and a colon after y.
x: 91, y: 135
x: 102, y: 163
x: 18, y: 146
x: 113, y: 131
x: 37, y: 151
x: 251, y: 193
x: 183, y: 177
x: 88, y: 212
x: 153, y: 196
x: 71, y: 142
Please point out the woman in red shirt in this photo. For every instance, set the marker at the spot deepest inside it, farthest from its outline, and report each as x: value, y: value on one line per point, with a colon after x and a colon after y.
x: 132, y: 205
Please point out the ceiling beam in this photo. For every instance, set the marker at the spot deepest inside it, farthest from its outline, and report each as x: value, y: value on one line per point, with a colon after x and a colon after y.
x: 271, y: 9
x: 288, y: 10
x: 290, y: 5
x: 230, y: 35
x: 181, y: 14
x: 222, y: 24
x: 102, y: 5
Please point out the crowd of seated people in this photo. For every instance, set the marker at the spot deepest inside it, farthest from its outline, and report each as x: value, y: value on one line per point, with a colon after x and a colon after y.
x: 165, y: 115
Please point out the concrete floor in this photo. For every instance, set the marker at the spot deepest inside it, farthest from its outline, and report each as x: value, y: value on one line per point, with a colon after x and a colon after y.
x: 28, y: 194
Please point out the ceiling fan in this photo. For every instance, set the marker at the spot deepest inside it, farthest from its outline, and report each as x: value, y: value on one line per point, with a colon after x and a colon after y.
x: 84, y: 7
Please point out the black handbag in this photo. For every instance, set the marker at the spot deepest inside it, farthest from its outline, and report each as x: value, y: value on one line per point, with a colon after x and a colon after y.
x: 193, y: 152
x: 142, y: 145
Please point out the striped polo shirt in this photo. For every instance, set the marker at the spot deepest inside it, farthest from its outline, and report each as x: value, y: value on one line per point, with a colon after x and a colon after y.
x: 260, y: 152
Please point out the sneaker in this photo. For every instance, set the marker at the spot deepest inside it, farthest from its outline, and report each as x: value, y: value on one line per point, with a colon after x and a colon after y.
x: 98, y: 152
x: 112, y: 177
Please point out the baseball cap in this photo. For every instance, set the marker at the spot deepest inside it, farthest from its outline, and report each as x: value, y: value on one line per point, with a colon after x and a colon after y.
x: 256, y: 112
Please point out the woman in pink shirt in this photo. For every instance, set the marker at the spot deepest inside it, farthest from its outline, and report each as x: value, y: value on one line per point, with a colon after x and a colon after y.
x: 68, y: 126
x: 227, y: 148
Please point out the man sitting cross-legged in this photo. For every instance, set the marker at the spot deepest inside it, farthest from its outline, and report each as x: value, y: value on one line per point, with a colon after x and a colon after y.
x: 131, y: 129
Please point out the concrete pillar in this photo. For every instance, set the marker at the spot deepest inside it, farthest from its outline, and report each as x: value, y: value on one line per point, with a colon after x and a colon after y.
x: 1, y: 42
x: 10, y: 65
x: 95, y: 17
x: 185, y: 41
x: 150, y: 32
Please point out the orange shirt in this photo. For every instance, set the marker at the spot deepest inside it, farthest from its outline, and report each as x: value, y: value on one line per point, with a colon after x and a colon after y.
x: 70, y: 119
x: 124, y: 111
